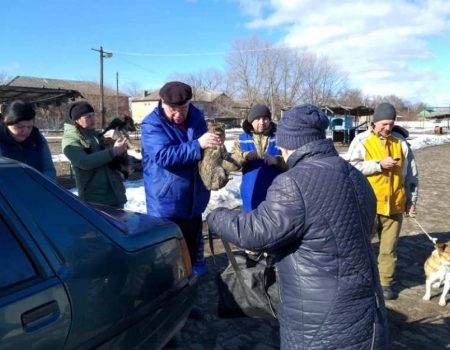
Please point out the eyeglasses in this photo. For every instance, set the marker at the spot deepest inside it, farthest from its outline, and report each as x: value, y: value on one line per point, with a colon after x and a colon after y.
x: 178, y: 109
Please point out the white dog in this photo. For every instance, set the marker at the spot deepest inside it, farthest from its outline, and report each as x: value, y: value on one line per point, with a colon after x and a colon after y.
x: 437, y: 270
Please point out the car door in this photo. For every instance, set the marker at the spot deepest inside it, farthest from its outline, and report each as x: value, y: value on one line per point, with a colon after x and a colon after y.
x: 34, y: 307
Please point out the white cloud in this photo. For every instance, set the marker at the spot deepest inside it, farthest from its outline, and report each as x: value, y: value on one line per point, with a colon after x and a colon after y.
x: 252, y: 8
x: 379, y: 43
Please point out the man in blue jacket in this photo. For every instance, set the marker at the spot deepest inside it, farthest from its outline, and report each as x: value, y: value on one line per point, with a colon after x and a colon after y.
x: 173, y: 137
x: 316, y: 220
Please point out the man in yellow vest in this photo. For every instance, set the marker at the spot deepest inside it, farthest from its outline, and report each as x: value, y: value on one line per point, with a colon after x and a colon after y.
x: 385, y: 160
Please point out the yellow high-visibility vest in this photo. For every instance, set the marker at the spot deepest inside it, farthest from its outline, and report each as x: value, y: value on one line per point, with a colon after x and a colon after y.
x: 387, y: 185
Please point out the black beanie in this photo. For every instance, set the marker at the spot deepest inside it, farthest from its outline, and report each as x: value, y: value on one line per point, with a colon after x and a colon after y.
x: 258, y: 111
x: 18, y: 111
x: 301, y: 125
x: 78, y: 109
x: 175, y: 93
x: 384, y: 111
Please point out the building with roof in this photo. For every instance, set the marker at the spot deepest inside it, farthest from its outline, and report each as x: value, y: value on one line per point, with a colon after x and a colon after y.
x: 37, y: 90
x: 345, y: 122
x: 441, y: 116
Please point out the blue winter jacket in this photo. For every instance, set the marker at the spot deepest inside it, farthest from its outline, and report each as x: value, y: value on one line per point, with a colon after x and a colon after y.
x: 173, y: 187
x: 316, y: 220
x: 257, y: 176
x: 34, y: 151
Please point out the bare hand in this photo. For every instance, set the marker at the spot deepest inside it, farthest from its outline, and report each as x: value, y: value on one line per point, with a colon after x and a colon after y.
x: 251, y: 155
x: 269, y: 160
x: 209, y: 140
x: 411, y: 210
x: 388, y: 163
x: 120, y: 147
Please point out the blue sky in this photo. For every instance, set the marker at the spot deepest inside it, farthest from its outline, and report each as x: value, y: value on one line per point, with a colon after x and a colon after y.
x: 399, y: 47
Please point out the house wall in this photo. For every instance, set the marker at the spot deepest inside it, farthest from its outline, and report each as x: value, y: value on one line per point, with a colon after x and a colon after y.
x: 222, y: 106
x: 140, y: 109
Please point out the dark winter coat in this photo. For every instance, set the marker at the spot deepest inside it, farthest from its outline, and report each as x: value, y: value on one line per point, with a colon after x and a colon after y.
x: 96, y: 181
x: 316, y: 220
x: 173, y: 187
x: 34, y: 151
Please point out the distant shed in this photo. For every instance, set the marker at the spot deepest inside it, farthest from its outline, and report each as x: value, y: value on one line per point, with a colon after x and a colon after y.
x: 345, y: 122
x: 440, y: 115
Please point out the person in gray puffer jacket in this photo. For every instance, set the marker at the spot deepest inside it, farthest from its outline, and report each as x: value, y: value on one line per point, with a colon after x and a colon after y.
x: 316, y: 221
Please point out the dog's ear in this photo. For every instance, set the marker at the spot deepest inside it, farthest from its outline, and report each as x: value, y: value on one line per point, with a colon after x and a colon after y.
x: 440, y: 247
x: 446, y: 247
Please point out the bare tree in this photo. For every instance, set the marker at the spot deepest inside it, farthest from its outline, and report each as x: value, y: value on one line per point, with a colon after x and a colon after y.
x: 4, y: 77
x: 291, y: 70
x: 352, y: 98
x: 245, y: 69
x: 396, y: 101
x: 322, y: 81
x: 133, y: 89
x: 207, y: 79
x: 286, y: 78
x: 260, y: 72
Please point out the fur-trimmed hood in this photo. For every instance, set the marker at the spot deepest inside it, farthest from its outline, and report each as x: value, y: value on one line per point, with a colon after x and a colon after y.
x: 248, y: 128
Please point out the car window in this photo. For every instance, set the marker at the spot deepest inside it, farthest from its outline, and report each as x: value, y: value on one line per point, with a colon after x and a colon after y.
x: 15, y: 265
x: 42, y: 206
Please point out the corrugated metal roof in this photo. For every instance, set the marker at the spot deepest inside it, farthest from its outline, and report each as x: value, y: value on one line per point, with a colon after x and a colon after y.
x: 354, y: 111
x: 36, y: 95
x: 85, y: 87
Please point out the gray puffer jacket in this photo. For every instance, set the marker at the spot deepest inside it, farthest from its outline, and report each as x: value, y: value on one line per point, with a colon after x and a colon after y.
x: 316, y: 220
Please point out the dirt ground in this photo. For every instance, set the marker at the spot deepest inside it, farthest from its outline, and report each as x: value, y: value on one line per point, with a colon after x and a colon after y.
x: 413, y: 323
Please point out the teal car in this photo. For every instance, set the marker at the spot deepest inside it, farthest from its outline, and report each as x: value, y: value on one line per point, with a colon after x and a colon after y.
x: 75, y: 276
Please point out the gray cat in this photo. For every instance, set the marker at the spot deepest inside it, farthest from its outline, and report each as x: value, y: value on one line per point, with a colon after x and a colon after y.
x: 216, y: 163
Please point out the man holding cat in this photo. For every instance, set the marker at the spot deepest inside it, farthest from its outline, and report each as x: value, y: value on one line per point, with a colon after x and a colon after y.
x: 173, y: 137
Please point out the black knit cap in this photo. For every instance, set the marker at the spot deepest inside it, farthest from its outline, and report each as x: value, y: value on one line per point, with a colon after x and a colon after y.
x: 175, y: 93
x: 301, y: 125
x: 259, y: 111
x: 18, y: 111
x: 384, y: 111
x: 78, y: 109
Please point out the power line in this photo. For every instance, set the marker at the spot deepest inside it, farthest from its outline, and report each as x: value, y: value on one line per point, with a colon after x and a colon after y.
x: 137, y: 65
x: 185, y: 54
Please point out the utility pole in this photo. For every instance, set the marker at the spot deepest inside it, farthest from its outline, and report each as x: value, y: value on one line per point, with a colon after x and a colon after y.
x: 102, y: 96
